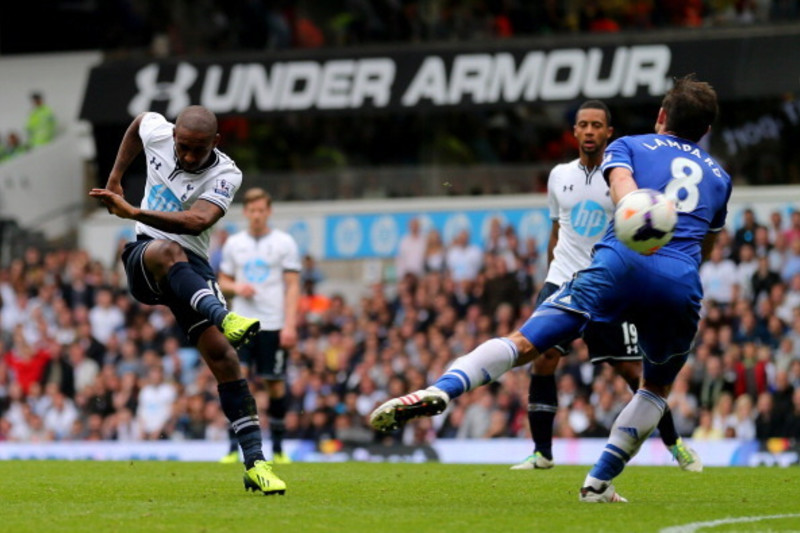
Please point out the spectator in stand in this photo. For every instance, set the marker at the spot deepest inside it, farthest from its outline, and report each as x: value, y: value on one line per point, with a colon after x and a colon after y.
x: 767, y: 425
x: 27, y: 362
x: 761, y: 244
x: 792, y: 233
x: 410, y: 258
x: 104, y: 317
x: 435, y: 251
x: 41, y: 124
x: 60, y: 416
x: 500, y: 287
x: 155, y: 404
x: 59, y: 372
x: 791, y: 427
x: 775, y: 226
x: 12, y: 147
x: 742, y: 419
x: 746, y: 234
x: 745, y: 269
x: 777, y: 254
x: 718, y: 277
x: 682, y: 404
x: 463, y: 259
x: 84, y: 368
x: 705, y: 429
x: 310, y: 270
x: 763, y: 279
x: 782, y: 395
x: 791, y: 265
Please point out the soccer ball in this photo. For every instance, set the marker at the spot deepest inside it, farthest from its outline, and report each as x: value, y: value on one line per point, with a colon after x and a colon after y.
x: 645, y: 220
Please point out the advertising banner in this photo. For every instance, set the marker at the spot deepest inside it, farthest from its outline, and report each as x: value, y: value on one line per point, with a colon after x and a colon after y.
x: 505, y: 451
x: 377, y: 235
x: 450, y: 77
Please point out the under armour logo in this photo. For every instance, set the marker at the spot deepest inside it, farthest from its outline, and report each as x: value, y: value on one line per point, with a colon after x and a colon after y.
x: 151, y: 90
x: 154, y: 163
x: 568, y: 188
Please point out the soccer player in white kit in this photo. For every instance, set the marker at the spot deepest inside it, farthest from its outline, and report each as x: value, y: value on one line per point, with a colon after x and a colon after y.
x: 190, y: 185
x: 260, y: 268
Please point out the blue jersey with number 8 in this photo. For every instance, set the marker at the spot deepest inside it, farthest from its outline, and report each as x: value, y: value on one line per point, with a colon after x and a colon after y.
x: 685, y: 173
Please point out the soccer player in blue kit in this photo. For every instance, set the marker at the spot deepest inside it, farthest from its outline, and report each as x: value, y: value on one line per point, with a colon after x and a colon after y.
x: 659, y: 293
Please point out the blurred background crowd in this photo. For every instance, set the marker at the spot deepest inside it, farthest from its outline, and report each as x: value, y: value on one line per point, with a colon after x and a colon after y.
x: 179, y: 27
x: 82, y: 361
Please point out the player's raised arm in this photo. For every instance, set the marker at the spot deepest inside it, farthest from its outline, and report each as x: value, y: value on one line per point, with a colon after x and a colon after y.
x: 620, y: 183
x: 130, y: 146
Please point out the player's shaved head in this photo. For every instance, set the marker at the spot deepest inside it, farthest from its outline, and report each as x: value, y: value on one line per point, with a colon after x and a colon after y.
x: 197, y: 119
x: 195, y: 136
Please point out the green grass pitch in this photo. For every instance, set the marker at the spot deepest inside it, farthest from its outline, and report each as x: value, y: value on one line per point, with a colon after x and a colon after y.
x: 99, y: 497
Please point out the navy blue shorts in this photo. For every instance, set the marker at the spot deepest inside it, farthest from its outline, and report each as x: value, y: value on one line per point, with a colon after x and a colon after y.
x: 264, y: 356
x: 606, y: 342
x: 144, y: 288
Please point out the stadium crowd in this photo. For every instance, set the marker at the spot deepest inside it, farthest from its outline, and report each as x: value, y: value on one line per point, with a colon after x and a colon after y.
x: 175, y: 28
x: 82, y: 361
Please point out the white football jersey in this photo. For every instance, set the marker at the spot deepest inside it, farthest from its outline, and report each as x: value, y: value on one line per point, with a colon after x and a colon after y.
x: 580, y: 202
x: 170, y: 188
x: 261, y: 262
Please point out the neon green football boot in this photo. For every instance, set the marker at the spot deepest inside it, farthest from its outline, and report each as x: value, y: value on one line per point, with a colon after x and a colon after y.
x: 281, y: 458
x: 261, y: 477
x: 230, y: 458
x: 687, y: 458
x: 238, y: 329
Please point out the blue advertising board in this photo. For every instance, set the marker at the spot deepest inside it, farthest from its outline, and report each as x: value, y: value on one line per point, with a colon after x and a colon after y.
x: 371, y: 235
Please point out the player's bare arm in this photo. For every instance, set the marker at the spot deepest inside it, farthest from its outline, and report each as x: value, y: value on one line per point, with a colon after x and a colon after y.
x: 620, y: 183
x: 291, y: 281
x: 195, y: 221
x: 230, y: 287
x: 551, y: 244
x: 130, y: 147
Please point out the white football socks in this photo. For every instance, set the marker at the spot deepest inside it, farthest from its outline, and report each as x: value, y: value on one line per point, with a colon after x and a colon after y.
x: 633, y: 425
x: 482, y: 365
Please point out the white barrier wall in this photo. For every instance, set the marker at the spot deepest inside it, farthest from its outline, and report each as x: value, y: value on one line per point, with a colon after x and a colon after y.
x: 61, y: 78
x: 43, y: 185
x: 506, y: 451
x: 45, y: 189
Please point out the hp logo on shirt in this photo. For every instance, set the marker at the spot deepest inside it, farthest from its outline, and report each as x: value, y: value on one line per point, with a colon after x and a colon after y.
x: 256, y: 271
x: 588, y: 218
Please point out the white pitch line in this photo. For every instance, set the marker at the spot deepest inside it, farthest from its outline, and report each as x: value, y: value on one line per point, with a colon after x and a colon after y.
x: 694, y: 526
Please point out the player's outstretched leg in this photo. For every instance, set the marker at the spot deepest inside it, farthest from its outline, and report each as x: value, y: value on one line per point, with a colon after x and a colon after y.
x: 633, y: 425
x: 428, y: 402
x: 261, y: 477
x: 482, y: 365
